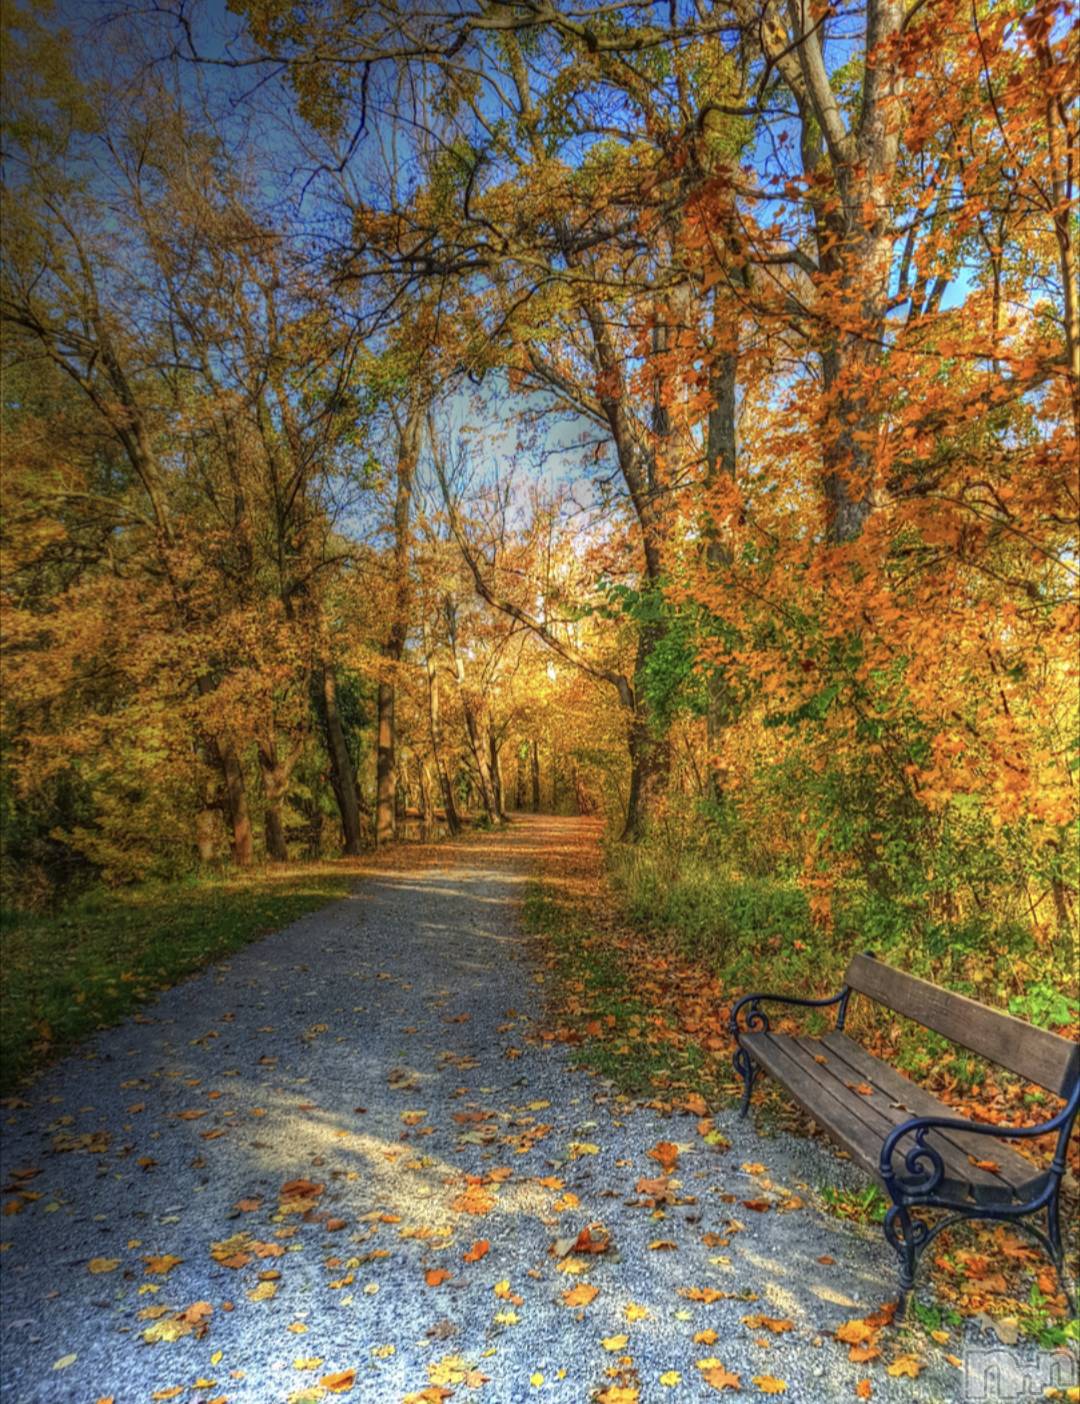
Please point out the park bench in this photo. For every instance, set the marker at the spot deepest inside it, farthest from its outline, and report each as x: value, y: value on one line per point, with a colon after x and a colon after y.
x: 925, y: 1155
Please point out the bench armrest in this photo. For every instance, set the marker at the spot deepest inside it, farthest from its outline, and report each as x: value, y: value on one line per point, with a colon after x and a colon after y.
x: 756, y: 1020
x: 922, y: 1159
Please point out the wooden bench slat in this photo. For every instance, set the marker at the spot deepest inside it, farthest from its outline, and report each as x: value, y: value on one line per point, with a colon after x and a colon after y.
x: 860, y: 1123
x: 1014, y: 1169
x: 838, y: 1116
x: 1038, y: 1055
x: 887, y: 1111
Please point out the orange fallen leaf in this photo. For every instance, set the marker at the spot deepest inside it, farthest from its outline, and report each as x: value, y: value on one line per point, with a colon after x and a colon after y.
x: 434, y: 1276
x: 581, y: 1295
x: 769, y: 1384
x: 775, y: 1324
x: 666, y: 1154
x: 864, y: 1389
x: 161, y: 1263
x: 720, y: 1377
x: 593, y: 1239
x: 479, y: 1250
x: 340, y: 1382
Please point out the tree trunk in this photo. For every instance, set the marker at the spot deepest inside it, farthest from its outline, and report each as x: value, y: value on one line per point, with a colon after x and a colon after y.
x: 519, y: 782
x: 453, y: 823
x: 275, y: 778
x: 721, y: 462
x: 535, y: 769
x: 342, y: 775
x: 496, y: 776
x: 385, y: 766
x: 408, y: 451
x: 650, y: 768
x: 243, y: 848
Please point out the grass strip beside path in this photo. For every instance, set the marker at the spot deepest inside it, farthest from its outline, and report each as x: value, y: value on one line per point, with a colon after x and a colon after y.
x: 68, y: 974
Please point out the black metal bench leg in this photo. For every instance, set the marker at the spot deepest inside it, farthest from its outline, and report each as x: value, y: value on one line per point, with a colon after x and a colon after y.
x: 902, y: 1232
x: 747, y: 1070
x: 1057, y: 1247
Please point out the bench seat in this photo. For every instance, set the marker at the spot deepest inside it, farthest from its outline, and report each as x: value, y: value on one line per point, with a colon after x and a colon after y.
x: 822, y: 1075
x: 928, y: 1156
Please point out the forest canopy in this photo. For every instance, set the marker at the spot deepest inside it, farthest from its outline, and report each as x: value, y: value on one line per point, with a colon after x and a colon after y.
x: 414, y: 414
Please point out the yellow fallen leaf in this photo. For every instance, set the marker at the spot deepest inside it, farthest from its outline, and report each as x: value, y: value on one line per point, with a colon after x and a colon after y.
x: 581, y: 1295
x: 64, y: 1362
x: 102, y: 1265
x: 307, y: 1362
x: 633, y: 1312
x: 614, y: 1342
x: 706, y: 1337
x: 769, y: 1384
x: 297, y: 1328
x: 263, y: 1292
x: 670, y: 1378
x: 905, y: 1365
x: 383, y: 1352
x: 536, y: 1379
x: 162, y: 1263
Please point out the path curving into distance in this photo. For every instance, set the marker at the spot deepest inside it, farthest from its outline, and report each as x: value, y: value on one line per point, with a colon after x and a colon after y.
x: 286, y: 1170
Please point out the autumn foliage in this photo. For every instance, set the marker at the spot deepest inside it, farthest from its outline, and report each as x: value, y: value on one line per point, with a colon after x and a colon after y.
x: 668, y: 414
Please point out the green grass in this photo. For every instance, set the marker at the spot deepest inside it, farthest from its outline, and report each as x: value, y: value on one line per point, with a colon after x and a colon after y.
x: 84, y: 968
x: 866, y: 1206
x: 587, y: 968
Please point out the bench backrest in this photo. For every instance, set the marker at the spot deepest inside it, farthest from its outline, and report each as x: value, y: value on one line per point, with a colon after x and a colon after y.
x: 1037, y: 1055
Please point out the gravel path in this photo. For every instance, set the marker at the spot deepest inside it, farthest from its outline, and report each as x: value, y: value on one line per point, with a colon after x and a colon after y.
x: 378, y: 1059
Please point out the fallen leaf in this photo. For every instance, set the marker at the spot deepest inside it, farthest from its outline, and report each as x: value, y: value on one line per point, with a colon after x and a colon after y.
x: 479, y: 1250
x: 98, y: 1265
x: 161, y: 1263
x: 769, y: 1384
x: 666, y: 1154
x: 581, y: 1295
x: 769, y: 1323
x: 905, y: 1365
x: 434, y: 1276
x: 340, y: 1382
x: 720, y: 1377
x: 614, y: 1342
